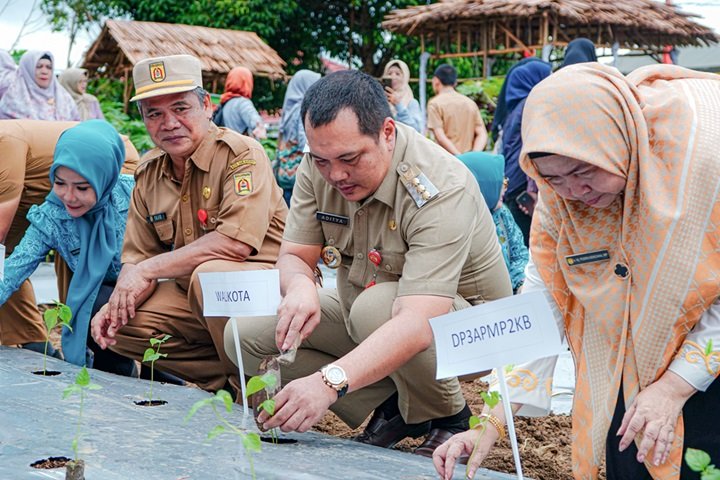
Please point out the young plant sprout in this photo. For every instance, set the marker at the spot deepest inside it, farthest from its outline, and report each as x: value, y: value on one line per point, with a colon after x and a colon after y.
x: 80, y: 386
x: 699, y: 461
x: 267, y: 382
x: 250, y: 440
x: 60, y: 314
x: 152, y: 355
x: 491, y: 399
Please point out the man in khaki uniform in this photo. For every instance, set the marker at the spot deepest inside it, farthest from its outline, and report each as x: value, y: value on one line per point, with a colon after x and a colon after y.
x: 205, y: 200
x: 26, y: 150
x: 406, y: 226
x: 453, y: 118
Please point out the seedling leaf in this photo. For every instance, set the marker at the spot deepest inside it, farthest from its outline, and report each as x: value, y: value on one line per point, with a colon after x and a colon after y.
x: 69, y: 390
x: 216, y: 430
x: 50, y: 317
x: 83, y: 378
x: 226, y: 398
x: 251, y: 442
x: 254, y: 385
x: 94, y: 386
x: 711, y: 473
x: 491, y: 399
x: 474, y: 422
x: 64, y: 313
x: 197, y: 406
x: 270, y: 379
x: 159, y: 341
x: 147, y: 357
x: 697, y: 460
x: 709, y: 347
x: 268, y: 405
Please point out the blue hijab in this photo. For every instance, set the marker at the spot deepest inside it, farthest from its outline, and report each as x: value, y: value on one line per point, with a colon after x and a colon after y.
x: 489, y: 171
x: 94, y: 150
x: 501, y: 110
x: 580, y: 50
x: 522, y: 80
x: 290, y: 123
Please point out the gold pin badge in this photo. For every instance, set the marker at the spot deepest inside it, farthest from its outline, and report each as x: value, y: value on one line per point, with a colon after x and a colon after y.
x: 331, y: 256
x: 392, y: 225
x: 207, y: 191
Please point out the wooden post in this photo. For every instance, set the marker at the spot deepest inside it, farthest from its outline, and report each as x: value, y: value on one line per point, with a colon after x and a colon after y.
x: 126, y: 90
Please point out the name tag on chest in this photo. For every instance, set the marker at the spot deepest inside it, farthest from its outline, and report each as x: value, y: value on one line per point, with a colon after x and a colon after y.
x: 332, y: 218
x: 588, y: 257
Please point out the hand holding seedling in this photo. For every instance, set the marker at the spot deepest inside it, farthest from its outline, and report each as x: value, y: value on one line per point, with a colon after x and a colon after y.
x: 152, y: 355
x: 655, y: 411
x: 300, y: 405
x: 476, y: 442
x: 60, y: 314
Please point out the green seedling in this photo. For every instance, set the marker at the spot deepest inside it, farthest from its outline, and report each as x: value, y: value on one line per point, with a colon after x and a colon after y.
x: 152, y: 354
x: 60, y: 314
x: 81, y: 386
x: 250, y: 440
x: 267, y: 382
x: 491, y: 399
x: 699, y: 461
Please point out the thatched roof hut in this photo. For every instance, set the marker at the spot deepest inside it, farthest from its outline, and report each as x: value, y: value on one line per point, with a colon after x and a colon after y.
x: 519, y: 25
x: 123, y: 43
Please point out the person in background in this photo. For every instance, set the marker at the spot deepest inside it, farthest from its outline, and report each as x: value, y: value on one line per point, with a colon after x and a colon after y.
x: 489, y: 171
x: 521, y: 192
x: 403, y: 105
x: 7, y: 71
x: 26, y: 150
x: 75, y: 81
x: 626, y: 247
x: 501, y: 110
x: 579, y: 50
x: 236, y: 110
x: 34, y: 92
x: 291, y: 131
x: 454, y: 119
x: 83, y: 218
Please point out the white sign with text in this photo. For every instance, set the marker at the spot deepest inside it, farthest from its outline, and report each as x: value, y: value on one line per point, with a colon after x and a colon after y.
x: 511, y: 330
x: 246, y: 293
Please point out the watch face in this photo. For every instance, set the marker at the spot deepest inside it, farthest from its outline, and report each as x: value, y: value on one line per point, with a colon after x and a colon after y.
x: 335, y: 375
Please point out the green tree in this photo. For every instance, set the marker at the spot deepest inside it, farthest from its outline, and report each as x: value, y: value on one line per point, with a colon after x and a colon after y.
x: 72, y: 16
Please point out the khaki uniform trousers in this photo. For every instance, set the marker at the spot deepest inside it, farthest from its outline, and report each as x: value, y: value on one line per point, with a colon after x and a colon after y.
x: 421, y: 396
x: 20, y: 319
x: 195, y: 352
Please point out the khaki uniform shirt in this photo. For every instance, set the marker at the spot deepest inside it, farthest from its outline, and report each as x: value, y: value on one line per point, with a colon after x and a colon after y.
x: 229, y: 177
x: 457, y: 115
x: 445, y: 247
x: 26, y: 155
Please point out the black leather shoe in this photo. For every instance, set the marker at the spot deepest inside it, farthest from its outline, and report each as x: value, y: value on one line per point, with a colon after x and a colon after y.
x: 435, y: 438
x: 386, y: 432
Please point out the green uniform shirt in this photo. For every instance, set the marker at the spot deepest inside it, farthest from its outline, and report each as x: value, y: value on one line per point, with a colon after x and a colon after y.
x: 445, y: 247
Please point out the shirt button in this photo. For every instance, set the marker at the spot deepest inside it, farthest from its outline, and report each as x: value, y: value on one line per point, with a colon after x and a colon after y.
x: 360, y: 256
x: 361, y: 213
x: 188, y: 231
x: 388, y: 267
x: 185, y: 198
x: 621, y: 270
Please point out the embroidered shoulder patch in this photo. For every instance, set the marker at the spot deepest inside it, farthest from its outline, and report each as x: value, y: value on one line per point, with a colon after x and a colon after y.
x: 244, y: 161
x: 243, y: 183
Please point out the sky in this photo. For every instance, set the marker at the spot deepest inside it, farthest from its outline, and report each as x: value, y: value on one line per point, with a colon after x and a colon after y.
x: 14, y: 12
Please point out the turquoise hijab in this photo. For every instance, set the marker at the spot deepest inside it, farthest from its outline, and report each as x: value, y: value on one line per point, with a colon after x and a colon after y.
x: 94, y: 150
x: 489, y: 171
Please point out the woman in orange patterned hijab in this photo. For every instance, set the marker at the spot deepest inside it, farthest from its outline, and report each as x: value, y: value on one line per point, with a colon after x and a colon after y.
x: 626, y: 240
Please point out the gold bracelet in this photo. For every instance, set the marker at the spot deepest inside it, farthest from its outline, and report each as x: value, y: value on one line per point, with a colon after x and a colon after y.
x: 495, y: 422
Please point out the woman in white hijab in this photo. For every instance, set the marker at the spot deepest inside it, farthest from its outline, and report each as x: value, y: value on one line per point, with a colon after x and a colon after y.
x: 75, y: 81
x: 403, y: 105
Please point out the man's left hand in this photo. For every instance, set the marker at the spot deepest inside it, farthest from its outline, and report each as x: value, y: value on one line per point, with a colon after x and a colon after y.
x: 654, y: 412
x: 300, y: 405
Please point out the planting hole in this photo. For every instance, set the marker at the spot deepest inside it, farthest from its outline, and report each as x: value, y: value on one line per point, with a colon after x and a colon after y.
x: 50, y: 462
x: 48, y: 373
x: 148, y: 403
x: 278, y: 441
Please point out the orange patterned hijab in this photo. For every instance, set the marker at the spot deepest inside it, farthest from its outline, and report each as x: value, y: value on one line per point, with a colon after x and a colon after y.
x: 658, y: 128
x: 239, y: 83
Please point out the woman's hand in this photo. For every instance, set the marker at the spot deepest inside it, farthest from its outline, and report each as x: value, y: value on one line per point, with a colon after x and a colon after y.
x: 447, y: 454
x: 654, y: 412
x: 392, y: 96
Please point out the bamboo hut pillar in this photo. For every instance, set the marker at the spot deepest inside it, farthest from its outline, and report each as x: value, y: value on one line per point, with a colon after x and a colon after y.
x: 126, y: 89
x: 484, y: 47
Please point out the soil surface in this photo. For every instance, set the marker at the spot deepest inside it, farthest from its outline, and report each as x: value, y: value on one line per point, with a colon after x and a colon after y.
x: 51, y: 462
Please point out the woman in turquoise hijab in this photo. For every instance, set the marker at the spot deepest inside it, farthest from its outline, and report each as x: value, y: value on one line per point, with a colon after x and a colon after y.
x: 489, y: 171
x: 83, y: 218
